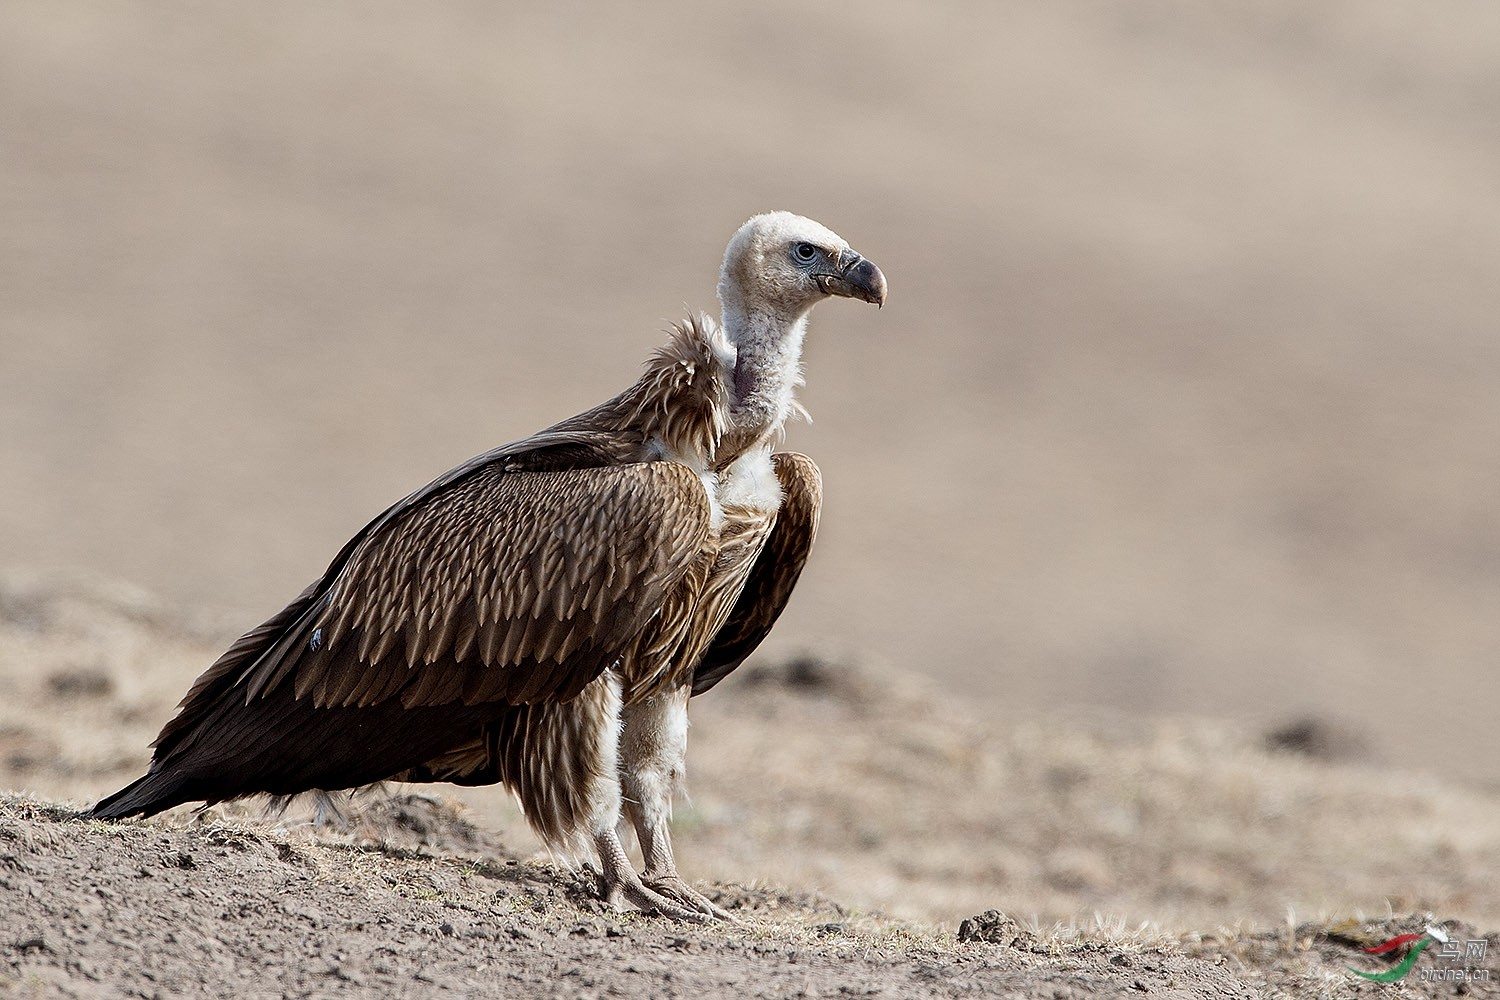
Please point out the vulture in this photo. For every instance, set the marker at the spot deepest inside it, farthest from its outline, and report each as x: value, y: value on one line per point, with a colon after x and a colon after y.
x: 540, y: 615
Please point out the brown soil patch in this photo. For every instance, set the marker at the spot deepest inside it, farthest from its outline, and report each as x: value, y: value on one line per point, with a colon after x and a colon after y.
x: 1159, y: 857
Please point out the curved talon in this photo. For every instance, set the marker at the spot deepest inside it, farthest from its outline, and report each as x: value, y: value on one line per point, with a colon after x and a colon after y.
x: 619, y: 884
x: 647, y: 900
x: 675, y: 887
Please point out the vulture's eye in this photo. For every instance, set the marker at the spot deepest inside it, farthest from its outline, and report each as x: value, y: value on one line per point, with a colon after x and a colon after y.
x: 805, y: 253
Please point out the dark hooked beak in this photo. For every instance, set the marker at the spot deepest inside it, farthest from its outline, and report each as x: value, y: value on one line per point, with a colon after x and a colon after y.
x: 856, y: 278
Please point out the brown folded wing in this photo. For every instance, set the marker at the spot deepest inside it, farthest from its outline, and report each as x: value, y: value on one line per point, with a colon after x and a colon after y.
x: 774, y: 574
x: 509, y: 586
x: 491, y: 586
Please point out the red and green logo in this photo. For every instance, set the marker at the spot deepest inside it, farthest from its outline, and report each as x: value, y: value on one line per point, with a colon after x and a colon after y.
x: 1419, y: 943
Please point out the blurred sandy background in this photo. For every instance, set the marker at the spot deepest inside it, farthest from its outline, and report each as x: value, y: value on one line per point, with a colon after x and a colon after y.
x: 1184, y: 401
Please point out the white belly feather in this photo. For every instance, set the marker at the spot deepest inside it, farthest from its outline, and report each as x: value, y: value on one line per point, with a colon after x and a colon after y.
x: 750, y: 481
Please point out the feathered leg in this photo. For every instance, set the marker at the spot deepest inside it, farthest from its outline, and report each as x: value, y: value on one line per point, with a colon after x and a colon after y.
x: 653, y: 751
x: 562, y: 761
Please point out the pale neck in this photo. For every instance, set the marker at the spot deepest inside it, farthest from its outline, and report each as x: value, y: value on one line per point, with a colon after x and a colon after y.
x: 767, y: 371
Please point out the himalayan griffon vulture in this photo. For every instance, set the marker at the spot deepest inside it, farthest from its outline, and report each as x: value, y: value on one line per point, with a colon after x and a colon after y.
x: 540, y: 615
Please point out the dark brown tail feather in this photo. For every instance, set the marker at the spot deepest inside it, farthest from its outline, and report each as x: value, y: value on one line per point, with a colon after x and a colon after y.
x: 281, y: 745
x: 144, y: 796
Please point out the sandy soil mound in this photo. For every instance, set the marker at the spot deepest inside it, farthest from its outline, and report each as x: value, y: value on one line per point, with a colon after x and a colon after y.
x: 226, y: 910
x: 1165, y: 857
x: 416, y: 902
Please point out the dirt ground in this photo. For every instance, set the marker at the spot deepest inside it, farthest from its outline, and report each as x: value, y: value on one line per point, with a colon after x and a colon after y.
x: 855, y: 821
x: 415, y: 902
x: 1154, y: 603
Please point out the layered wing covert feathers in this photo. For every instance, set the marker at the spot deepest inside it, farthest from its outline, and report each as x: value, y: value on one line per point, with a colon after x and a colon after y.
x: 513, y: 586
x: 506, y: 581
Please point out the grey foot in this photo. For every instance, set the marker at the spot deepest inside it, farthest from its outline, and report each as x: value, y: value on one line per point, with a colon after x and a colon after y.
x: 648, y: 899
x: 675, y: 888
x: 619, y: 884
